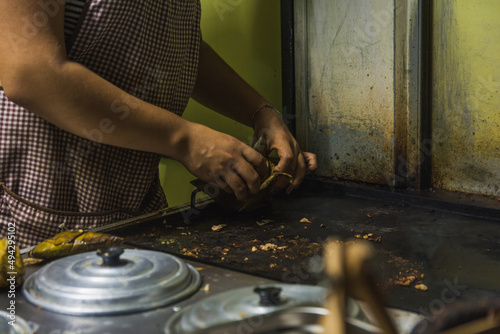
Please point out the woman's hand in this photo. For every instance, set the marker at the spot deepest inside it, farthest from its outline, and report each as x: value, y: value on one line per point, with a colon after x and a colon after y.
x: 291, y: 159
x: 220, y: 88
x: 222, y: 160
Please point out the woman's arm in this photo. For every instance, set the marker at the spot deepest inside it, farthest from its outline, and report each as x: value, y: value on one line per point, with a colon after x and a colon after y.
x: 220, y: 88
x: 37, y: 75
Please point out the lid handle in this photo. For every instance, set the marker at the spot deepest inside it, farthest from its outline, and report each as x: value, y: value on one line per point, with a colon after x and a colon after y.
x: 269, y: 296
x: 110, y: 256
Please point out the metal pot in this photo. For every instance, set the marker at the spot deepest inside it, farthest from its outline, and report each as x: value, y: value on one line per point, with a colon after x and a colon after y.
x: 279, y: 308
x: 13, y: 324
x: 110, y: 282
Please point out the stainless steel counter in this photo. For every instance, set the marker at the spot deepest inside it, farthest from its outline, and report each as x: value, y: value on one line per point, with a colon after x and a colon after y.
x: 215, y: 280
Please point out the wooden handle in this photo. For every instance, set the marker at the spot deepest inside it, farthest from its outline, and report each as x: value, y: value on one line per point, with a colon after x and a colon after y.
x: 346, y: 267
x: 362, y: 286
x: 334, y: 323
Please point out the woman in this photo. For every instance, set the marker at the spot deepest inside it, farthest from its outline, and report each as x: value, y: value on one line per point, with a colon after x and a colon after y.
x: 87, y: 112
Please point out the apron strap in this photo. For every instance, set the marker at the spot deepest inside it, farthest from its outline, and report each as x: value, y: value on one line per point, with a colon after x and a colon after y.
x: 78, y: 26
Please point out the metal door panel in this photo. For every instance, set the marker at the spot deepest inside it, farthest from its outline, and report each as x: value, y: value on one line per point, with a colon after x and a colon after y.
x: 466, y: 98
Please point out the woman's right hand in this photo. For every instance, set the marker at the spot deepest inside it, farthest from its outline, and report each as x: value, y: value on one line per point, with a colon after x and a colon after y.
x: 222, y: 160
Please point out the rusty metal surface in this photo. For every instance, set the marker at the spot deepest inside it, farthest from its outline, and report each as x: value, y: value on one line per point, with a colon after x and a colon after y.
x: 442, y: 250
x: 346, y: 88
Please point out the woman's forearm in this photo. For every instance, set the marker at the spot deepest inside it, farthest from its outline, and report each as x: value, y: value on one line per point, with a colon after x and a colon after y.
x: 77, y: 100
x: 37, y: 75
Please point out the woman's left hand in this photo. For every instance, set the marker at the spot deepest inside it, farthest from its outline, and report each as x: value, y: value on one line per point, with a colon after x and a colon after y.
x: 291, y: 159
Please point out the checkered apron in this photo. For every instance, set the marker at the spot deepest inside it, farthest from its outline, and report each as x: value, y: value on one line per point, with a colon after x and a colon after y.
x: 148, y: 48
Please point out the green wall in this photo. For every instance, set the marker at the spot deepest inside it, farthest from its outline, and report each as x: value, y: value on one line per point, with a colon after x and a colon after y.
x: 246, y: 34
x: 466, y: 99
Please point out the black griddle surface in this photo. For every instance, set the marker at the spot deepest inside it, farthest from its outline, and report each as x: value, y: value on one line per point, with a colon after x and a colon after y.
x: 456, y: 256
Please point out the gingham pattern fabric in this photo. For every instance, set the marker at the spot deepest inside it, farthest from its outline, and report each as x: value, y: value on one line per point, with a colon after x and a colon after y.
x: 148, y: 48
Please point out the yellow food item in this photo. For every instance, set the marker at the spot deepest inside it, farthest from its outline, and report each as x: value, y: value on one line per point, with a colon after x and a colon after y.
x: 73, y: 242
x: 217, y: 228
x: 11, y: 264
x: 268, y: 247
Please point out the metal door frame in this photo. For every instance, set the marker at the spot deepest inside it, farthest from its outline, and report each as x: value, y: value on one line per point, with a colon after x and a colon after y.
x: 412, y: 74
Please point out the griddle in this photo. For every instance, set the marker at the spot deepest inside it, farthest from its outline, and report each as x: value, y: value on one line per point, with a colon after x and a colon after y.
x: 445, y: 245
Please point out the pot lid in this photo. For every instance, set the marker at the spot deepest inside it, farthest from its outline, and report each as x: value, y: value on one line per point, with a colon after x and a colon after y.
x: 13, y: 324
x: 249, y: 305
x: 111, y: 281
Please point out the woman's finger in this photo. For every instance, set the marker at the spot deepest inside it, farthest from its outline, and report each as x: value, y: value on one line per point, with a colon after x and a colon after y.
x: 311, y: 161
x: 239, y: 187
x: 220, y: 181
x: 235, y: 183
x: 247, y: 173
x: 286, y: 164
x: 298, y: 177
x: 256, y: 159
